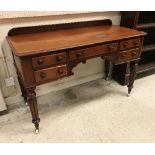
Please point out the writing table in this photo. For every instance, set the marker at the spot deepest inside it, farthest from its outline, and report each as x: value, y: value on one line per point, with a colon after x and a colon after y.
x: 47, y: 53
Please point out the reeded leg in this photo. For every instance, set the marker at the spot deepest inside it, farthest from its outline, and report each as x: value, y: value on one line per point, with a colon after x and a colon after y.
x: 133, y: 66
x: 32, y: 101
x: 107, y: 69
x: 127, y: 73
x: 23, y: 90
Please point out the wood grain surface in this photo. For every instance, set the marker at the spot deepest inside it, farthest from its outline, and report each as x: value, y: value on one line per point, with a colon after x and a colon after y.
x: 30, y: 44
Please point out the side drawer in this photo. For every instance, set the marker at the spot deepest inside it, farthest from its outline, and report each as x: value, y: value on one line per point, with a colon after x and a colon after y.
x: 129, y: 55
x: 135, y: 53
x: 47, y: 60
x: 132, y: 43
x: 92, y: 52
x: 52, y: 73
x: 123, y: 56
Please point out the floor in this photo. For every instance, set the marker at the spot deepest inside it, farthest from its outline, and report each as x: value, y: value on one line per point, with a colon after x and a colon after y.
x: 98, y: 111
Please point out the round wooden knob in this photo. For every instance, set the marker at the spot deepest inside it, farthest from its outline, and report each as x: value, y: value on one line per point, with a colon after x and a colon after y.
x: 123, y: 55
x: 135, y: 43
x: 79, y: 54
x: 42, y: 75
x: 125, y: 44
x: 40, y: 61
x: 60, y: 71
x: 59, y: 58
x: 134, y: 53
x: 110, y: 48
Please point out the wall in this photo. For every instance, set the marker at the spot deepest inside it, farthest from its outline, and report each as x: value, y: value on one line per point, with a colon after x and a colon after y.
x: 21, y: 14
x: 92, y: 70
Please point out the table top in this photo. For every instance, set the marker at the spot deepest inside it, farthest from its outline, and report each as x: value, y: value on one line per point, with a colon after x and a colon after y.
x: 36, y: 43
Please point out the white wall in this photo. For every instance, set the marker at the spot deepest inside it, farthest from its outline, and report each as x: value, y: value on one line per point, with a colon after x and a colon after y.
x: 2, y: 102
x: 92, y: 70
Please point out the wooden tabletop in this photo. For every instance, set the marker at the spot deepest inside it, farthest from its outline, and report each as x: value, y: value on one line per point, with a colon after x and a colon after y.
x: 35, y: 43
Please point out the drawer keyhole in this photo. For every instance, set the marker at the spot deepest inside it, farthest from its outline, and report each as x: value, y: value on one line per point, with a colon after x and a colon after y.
x: 60, y: 71
x: 42, y: 75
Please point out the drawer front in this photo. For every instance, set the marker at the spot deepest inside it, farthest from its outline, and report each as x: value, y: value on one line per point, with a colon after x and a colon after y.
x: 52, y: 73
x: 129, y: 55
x: 132, y: 43
x: 123, y: 56
x: 135, y: 53
x: 53, y: 59
x: 92, y: 52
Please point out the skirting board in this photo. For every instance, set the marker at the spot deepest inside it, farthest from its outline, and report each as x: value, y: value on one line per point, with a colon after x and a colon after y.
x: 51, y: 87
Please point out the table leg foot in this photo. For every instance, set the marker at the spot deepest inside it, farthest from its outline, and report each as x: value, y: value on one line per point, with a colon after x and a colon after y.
x: 107, y: 69
x: 36, y: 124
x: 37, y: 131
x: 32, y: 101
x: 107, y: 78
x: 133, y: 66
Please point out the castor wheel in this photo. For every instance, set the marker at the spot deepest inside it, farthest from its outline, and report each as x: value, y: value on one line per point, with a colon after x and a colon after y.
x: 26, y: 103
x: 37, y: 131
x: 107, y: 78
x: 128, y: 95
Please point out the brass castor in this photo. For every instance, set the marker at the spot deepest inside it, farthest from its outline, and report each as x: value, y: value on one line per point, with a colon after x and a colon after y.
x: 26, y: 103
x: 37, y: 131
x: 107, y: 78
x: 128, y: 95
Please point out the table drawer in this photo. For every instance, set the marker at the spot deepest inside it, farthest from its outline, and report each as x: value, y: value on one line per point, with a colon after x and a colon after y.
x: 132, y: 43
x: 92, y: 52
x: 53, y: 59
x: 129, y: 55
x: 52, y: 73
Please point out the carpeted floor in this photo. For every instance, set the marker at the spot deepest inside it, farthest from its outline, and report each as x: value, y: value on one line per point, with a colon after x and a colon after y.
x: 97, y: 111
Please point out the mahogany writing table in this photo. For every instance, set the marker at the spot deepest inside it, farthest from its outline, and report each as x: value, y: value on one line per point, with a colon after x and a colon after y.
x: 47, y: 53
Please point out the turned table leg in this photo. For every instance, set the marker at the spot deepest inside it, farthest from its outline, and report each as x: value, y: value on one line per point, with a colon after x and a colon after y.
x: 107, y: 69
x: 32, y: 101
x: 23, y: 90
x: 127, y: 73
x: 133, y: 66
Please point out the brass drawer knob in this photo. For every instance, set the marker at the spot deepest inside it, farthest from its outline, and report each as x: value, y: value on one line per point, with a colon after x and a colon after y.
x: 42, y: 75
x: 60, y: 71
x: 40, y: 61
x: 59, y: 58
x: 79, y: 54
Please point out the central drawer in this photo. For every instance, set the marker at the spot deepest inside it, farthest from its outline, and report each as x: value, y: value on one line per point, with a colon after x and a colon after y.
x: 52, y: 73
x: 92, y: 52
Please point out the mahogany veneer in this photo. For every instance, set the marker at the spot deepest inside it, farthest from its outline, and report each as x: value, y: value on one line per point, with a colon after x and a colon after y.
x: 47, y: 53
x: 143, y: 21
